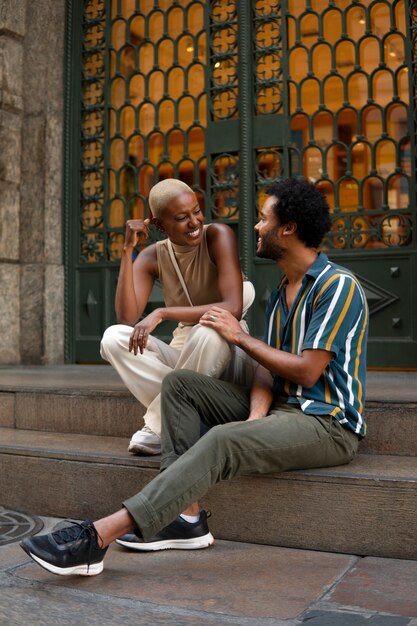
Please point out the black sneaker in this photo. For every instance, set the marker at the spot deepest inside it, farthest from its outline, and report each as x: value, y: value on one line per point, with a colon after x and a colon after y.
x: 71, y: 550
x: 179, y: 535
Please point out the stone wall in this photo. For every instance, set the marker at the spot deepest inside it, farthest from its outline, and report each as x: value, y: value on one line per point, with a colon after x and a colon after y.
x: 32, y: 39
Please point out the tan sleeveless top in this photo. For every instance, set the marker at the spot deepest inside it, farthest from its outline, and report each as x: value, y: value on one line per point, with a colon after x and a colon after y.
x: 198, y: 270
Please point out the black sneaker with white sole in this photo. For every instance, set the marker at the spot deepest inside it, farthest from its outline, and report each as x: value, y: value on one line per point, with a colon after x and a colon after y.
x: 179, y: 535
x: 71, y: 550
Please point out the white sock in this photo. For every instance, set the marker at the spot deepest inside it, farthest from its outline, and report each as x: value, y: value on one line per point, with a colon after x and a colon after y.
x: 191, y: 519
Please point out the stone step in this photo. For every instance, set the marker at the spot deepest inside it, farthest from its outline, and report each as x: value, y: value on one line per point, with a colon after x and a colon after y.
x: 392, y: 428
x: 92, y: 400
x: 365, y: 508
x: 89, y: 400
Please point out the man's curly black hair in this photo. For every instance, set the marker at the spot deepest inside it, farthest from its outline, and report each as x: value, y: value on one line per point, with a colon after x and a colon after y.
x: 300, y: 202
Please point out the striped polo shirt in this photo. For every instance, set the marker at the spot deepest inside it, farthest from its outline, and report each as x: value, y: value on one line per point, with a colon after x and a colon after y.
x: 329, y: 313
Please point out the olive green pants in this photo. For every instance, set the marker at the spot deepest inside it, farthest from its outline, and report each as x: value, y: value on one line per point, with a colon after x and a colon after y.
x: 286, y: 439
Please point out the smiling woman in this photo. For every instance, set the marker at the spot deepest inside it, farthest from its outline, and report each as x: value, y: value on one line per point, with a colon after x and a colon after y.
x: 198, y: 266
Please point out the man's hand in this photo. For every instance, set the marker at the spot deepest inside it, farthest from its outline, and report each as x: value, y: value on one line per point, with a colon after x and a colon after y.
x: 140, y: 335
x: 255, y: 416
x: 223, y: 322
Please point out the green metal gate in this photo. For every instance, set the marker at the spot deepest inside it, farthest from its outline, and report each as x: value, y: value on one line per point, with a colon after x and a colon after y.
x: 229, y: 95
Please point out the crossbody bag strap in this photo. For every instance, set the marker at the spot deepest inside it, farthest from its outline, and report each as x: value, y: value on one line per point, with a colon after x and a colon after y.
x: 178, y: 271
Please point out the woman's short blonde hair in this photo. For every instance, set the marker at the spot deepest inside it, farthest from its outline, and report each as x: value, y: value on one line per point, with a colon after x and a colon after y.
x: 163, y: 192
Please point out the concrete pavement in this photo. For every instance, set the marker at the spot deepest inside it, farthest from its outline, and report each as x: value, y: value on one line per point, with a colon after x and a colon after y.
x: 228, y: 584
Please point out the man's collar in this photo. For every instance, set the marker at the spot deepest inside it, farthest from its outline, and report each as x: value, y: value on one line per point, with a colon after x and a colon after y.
x: 318, y: 265
x: 314, y: 270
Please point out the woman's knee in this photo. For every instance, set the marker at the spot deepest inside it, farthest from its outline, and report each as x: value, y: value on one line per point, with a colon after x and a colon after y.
x: 113, y: 337
x: 201, y: 335
x: 207, y: 352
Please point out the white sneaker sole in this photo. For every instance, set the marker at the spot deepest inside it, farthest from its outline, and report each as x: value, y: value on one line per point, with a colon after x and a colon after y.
x: 196, y: 543
x: 80, y: 570
x: 139, y: 448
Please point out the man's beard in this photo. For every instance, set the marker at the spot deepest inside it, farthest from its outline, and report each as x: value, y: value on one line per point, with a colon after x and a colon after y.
x: 270, y: 249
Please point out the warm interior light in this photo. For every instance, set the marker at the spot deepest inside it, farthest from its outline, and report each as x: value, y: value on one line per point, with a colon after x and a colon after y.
x: 190, y: 49
x: 217, y: 64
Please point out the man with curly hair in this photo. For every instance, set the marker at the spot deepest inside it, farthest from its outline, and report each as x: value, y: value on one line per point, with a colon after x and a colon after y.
x: 304, y: 410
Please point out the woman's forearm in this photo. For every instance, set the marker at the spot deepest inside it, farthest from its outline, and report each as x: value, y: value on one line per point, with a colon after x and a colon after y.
x: 189, y: 314
x: 125, y: 301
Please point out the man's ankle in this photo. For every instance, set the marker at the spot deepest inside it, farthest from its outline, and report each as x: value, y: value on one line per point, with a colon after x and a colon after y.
x: 191, y: 519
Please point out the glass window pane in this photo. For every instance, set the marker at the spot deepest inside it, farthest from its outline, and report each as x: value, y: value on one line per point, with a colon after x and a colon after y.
x: 323, y: 129
x: 383, y: 87
x: 385, y: 157
x: 394, y: 53
x: 332, y: 25
x: 348, y: 195
x: 336, y: 159
x: 369, y: 54
x: 322, y: 60
x: 398, y: 193
x: 361, y: 160
x: 313, y: 164
x: 373, y: 192
x: 345, y: 57
x: 309, y: 26
x: 358, y: 90
x: 372, y: 123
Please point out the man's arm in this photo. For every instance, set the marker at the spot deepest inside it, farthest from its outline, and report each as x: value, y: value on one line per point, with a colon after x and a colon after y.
x: 304, y: 369
x: 261, y: 394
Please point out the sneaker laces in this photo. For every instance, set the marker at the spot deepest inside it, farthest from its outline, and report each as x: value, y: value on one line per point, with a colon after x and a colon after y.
x: 146, y: 429
x: 71, y: 534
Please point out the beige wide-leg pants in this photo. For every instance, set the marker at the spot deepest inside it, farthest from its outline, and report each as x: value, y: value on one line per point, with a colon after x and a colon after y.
x: 193, y: 347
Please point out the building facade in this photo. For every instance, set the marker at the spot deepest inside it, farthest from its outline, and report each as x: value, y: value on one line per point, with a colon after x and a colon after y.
x: 32, y: 64
x: 103, y: 98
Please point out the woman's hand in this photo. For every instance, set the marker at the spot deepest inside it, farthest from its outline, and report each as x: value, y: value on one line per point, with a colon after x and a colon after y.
x: 136, y: 231
x: 140, y: 335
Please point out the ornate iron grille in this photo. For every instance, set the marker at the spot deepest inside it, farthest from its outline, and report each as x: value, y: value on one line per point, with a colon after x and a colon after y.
x: 413, y: 81
x: 154, y: 105
x: 348, y: 92
x: 268, y: 74
x: 269, y: 166
x: 223, y: 59
x: 223, y: 106
x: 232, y: 98
x: 269, y: 90
x: 92, y: 239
